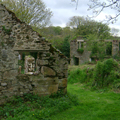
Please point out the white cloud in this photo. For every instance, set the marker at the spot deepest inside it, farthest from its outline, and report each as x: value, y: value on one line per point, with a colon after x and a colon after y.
x: 64, y: 9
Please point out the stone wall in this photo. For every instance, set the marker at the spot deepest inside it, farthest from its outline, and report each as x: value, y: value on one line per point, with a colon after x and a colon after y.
x: 83, y: 57
x: 115, y: 47
x: 51, y: 65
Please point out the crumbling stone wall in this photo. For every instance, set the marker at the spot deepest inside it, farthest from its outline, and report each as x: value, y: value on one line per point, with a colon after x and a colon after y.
x: 17, y: 37
x: 83, y: 57
x: 115, y: 47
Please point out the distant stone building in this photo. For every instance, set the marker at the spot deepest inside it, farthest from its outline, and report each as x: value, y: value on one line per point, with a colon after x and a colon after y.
x: 44, y: 75
x: 79, y: 53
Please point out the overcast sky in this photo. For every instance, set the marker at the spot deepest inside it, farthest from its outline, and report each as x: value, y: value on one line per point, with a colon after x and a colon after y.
x: 64, y: 9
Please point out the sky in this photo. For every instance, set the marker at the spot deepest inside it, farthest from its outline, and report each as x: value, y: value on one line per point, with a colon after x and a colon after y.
x: 63, y: 10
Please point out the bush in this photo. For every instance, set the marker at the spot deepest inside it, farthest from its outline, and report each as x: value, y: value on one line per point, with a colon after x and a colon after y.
x: 78, y: 76
x: 81, y: 50
x: 105, y: 73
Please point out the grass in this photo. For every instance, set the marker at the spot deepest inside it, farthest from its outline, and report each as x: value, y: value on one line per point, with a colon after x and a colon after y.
x: 89, y: 105
x: 82, y: 66
x: 33, y: 107
x: 93, y: 105
x: 101, y: 75
x: 83, y: 101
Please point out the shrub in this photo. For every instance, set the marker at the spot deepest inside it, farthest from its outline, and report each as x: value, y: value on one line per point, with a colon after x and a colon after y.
x: 81, y: 50
x: 105, y: 73
x: 77, y: 76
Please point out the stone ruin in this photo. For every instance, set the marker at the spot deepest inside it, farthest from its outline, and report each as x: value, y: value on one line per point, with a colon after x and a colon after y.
x: 44, y: 75
x: 77, y: 58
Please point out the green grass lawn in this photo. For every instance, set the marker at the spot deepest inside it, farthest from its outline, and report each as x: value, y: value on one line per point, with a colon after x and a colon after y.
x: 94, y: 105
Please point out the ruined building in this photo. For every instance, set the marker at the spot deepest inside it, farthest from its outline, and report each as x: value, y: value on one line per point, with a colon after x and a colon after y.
x: 79, y: 53
x: 43, y: 75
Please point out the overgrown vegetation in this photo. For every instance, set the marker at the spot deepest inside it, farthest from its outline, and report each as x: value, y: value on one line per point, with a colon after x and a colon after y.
x: 90, y: 104
x: 88, y: 29
x: 33, y: 107
x: 80, y: 50
x: 77, y: 76
x: 100, y: 49
x: 104, y: 74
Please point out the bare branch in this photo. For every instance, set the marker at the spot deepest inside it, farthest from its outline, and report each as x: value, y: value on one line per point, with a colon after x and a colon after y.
x: 97, y: 6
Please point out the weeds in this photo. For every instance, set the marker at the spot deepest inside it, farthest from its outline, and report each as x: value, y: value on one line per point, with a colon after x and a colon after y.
x: 81, y: 50
x: 77, y: 76
x: 82, y: 76
x: 34, y: 107
x: 104, y: 74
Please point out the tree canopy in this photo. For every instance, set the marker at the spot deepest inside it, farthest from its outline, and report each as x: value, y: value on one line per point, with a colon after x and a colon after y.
x: 86, y: 27
x: 33, y: 12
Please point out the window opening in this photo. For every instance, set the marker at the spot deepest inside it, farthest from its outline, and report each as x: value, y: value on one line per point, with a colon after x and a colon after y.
x: 76, y: 61
x: 80, y: 45
x: 27, y: 62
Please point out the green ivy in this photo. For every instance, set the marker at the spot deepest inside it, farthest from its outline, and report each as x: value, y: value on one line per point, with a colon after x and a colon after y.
x: 81, y: 50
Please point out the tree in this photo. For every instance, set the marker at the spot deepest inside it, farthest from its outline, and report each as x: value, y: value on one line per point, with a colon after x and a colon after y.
x: 33, y: 12
x: 99, y: 5
x: 86, y: 27
x: 58, y: 30
x: 65, y: 47
x: 114, y: 31
x: 67, y: 31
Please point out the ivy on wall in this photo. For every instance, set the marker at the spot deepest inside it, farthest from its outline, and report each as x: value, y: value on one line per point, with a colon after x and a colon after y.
x: 80, y: 50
